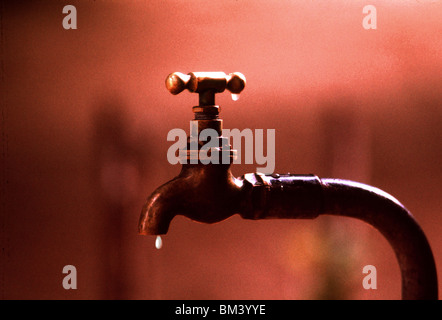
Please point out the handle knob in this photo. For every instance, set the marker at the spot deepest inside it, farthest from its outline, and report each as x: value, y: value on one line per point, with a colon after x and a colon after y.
x: 200, y: 82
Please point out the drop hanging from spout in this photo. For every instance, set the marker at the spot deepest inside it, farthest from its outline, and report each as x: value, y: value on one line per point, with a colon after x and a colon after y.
x: 158, y: 242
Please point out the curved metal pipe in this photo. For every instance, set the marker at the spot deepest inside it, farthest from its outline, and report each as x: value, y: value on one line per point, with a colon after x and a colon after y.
x: 395, y: 222
x: 307, y: 196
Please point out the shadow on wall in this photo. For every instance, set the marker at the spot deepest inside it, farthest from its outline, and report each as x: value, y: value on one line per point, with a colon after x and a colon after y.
x: 346, y: 140
x: 119, y: 163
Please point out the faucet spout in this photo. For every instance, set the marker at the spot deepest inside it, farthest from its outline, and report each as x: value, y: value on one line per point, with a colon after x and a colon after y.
x: 158, y: 211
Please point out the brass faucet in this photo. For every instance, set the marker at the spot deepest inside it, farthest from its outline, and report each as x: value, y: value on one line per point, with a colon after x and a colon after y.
x: 210, y: 193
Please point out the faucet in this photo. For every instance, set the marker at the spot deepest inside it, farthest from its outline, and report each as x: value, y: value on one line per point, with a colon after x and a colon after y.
x: 208, y: 192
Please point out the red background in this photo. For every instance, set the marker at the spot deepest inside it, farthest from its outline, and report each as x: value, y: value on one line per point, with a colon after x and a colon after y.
x: 85, y: 115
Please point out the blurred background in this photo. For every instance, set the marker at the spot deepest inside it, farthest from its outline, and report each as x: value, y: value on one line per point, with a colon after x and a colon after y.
x: 85, y: 116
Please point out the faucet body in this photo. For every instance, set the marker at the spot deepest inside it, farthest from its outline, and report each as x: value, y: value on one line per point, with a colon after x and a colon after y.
x: 204, y: 193
x: 209, y: 193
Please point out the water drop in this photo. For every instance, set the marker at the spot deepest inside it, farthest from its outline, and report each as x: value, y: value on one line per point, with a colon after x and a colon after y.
x: 235, y: 97
x: 158, y: 242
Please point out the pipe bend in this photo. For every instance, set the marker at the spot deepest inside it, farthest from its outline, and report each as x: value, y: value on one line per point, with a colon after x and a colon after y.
x: 395, y: 222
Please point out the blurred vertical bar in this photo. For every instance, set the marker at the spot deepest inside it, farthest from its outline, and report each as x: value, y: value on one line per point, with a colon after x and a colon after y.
x: 117, y: 171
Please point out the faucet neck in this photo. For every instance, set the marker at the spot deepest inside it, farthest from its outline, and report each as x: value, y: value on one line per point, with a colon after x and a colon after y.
x: 216, y: 146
